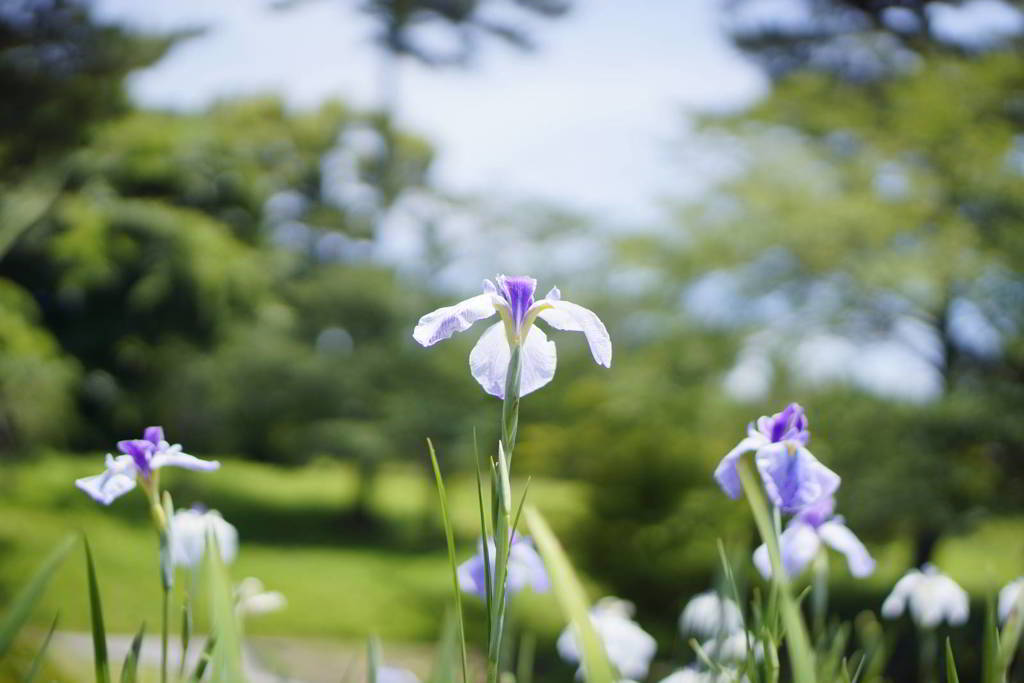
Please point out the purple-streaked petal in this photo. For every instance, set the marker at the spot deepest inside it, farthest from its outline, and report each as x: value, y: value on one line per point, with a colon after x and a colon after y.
x: 107, y: 487
x: 488, y: 361
x: 175, y: 458
x: 726, y: 475
x: 140, y: 450
x: 154, y: 435
x: 788, y: 425
x: 817, y: 513
x: 839, y: 537
x: 794, y: 479
x: 444, y: 322
x: 570, y: 317
x: 517, y: 291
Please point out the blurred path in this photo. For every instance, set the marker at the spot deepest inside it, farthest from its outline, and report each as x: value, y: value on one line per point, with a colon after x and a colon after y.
x: 266, y: 659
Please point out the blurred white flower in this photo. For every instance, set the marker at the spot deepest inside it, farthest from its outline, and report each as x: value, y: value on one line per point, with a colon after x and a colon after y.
x: 393, y: 674
x: 732, y: 648
x: 1009, y: 597
x: 251, y: 599
x: 709, y: 615
x: 692, y: 675
x: 630, y: 648
x: 933, y: 598
x: 188, y: 536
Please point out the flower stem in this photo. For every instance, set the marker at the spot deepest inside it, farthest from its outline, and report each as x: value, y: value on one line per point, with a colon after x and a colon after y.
x: 163, y: 635
x: 800, y: 654
x: 501, y: 492
x: 510, y: 407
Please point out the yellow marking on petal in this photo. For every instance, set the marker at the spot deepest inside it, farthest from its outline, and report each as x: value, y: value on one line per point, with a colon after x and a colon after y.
x: 531, y: 317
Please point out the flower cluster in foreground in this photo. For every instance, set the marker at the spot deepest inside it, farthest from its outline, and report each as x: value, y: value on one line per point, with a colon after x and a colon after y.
x: 798, y: 484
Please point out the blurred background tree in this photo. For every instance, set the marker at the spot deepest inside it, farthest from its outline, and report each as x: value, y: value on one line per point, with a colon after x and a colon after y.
x: 877, y: 213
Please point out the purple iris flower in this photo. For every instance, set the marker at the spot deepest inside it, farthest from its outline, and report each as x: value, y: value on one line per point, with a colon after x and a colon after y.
x: 140, y: 457
x: 513, y: 299
x: 804, y: 535
x: 793, y: 478
x: 525, y: 568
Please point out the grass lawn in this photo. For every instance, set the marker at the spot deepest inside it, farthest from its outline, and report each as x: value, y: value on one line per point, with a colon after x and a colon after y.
x: 342, y: 579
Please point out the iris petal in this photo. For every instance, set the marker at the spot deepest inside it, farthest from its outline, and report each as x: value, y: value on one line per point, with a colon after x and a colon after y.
x: 444, y: 322
x: 838, y: 536
x: 488, y: 361
x: 570, y: 317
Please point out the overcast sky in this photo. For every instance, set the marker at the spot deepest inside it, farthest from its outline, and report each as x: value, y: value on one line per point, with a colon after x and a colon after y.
x: 583, y: 120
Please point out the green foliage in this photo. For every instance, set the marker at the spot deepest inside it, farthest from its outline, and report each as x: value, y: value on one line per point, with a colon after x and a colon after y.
x: 99, y: 631
x: 21, y: 607
x: 36, y: 378
x: 860, y: 212
x: 66, y: 68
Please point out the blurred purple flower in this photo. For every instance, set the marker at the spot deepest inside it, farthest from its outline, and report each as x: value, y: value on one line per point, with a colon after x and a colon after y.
x: 793, y: 478
x: 525, y: 568
x: 802, y: 540
x: 140, y: 457
x: 512, y: 298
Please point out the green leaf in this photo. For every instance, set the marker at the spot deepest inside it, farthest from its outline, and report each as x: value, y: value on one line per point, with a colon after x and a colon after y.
x: 21, y: 606
x: 186, y: 635
x: 130, y: 669
x: 37, y: 661
x: 571, y: 598
x: 227, y: 652
x: 449, y: 536
x: 951, y: 675
x: 99, y: 632
x: 990, y: 671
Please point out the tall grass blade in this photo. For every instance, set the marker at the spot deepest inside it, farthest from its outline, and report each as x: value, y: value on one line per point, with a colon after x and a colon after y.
x: 37, y: 661
x: 484, y: 534
x: 186, y: 636
x: 951, y: 675
x: 446, y: 655
x: 449, y: 536
x: 990, y: 670
x: 526, y: 655
x: 372, y: 659
x: 99, y: 632
x: 227, y: 652
x: 26, y: 599
x: 204, y: 660
x: 571, y: 598
x: 130, y: 668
